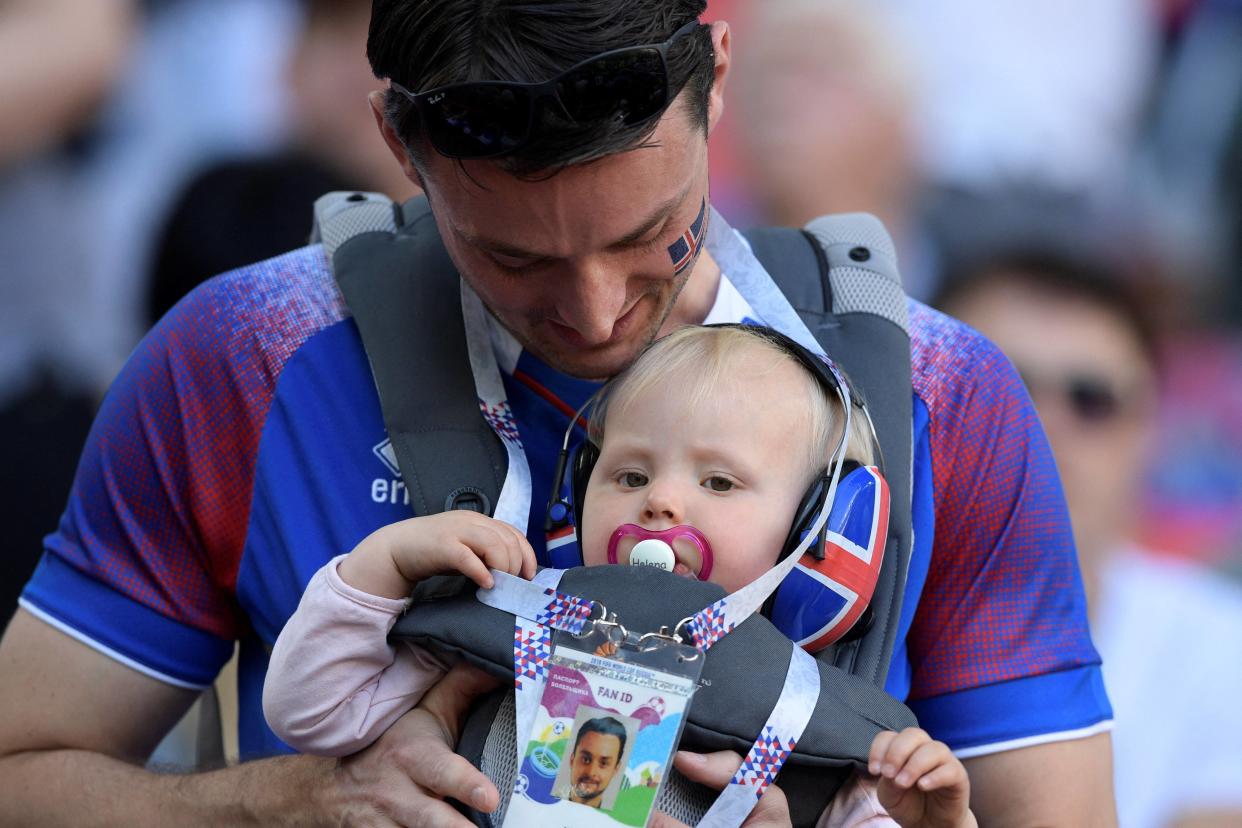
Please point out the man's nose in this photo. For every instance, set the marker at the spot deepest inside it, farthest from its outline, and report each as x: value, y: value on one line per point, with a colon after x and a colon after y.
x: 592, y: 299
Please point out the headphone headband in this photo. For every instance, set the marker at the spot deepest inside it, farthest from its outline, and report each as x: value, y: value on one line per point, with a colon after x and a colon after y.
x: 829, y: 375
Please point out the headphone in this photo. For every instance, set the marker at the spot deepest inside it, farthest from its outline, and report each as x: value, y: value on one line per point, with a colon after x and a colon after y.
x: 826, y: 597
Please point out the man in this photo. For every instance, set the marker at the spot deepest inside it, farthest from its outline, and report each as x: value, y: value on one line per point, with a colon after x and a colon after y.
x: 1088, y: 354
x: 243, y: 447
x: 597, y: 753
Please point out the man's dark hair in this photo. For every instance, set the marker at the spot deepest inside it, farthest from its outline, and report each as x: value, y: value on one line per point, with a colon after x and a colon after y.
x: 604, y: 725
x: 425, y: 44
x: 1096, y: 283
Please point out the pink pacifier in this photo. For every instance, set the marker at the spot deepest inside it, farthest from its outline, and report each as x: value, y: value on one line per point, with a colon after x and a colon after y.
x: 665, y: 549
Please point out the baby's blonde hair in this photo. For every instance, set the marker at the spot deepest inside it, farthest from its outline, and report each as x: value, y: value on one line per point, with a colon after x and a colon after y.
x: 703, y: 357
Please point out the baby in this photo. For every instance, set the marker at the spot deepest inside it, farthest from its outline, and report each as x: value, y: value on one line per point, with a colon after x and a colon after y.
x: 697, y: 432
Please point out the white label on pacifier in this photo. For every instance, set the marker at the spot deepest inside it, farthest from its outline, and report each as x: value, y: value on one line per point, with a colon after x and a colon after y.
x: 653, y: 552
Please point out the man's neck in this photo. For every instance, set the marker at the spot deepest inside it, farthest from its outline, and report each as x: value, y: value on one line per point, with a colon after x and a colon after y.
x: 697, y: 297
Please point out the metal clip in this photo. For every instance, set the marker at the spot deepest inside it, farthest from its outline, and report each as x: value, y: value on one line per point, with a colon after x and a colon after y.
x: 664, y: 636
x: 611, y: 627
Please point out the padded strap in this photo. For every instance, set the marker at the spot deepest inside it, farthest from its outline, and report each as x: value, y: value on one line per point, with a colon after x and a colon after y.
x: 840, y: 274
x: 405, y: 296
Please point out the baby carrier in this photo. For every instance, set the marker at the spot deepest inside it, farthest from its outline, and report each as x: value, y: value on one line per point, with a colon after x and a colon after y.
x: 840, y: 275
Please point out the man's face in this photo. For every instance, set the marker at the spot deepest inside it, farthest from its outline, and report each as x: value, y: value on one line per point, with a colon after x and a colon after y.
x: 594, y: 764
x: 577, y: 266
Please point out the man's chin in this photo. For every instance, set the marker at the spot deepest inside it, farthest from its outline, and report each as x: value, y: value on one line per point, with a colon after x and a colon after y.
x: 587, y: 796
x: 599, y: 363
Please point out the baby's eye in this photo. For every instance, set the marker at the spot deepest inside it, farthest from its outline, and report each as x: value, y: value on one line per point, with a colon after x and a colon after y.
x: 718, y: 484
x: 633, y: 480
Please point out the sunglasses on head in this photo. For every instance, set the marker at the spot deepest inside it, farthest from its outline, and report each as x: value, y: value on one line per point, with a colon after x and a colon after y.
x: 485, y: 119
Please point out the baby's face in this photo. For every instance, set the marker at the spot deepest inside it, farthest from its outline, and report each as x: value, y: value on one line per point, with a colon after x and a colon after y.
x: 734, y: 467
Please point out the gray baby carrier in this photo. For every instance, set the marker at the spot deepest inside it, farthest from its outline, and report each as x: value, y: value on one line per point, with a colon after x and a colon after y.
x: 840, y: 275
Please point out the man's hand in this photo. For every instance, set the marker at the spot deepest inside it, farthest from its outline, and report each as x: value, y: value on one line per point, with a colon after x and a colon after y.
x: 76, y: 725
x: 403, y: 778
x: 715, y: 770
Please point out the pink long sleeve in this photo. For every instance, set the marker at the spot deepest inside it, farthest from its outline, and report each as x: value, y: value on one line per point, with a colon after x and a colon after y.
x: 856, y: 805
x: 334, y: 684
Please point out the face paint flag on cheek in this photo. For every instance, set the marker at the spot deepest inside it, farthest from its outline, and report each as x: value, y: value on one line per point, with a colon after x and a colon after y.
x: 683, y: 251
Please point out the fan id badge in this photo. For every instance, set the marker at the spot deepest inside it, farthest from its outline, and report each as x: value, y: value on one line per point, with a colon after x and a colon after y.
x: 602, y: 736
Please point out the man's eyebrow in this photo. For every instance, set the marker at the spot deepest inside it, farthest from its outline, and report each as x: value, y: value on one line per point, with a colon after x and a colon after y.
x: 654, y: 219
x: 658, y: 216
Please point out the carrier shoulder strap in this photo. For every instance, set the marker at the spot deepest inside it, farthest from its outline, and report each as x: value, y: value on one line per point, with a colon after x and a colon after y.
x: 840, y: 274
x: 405, y: 297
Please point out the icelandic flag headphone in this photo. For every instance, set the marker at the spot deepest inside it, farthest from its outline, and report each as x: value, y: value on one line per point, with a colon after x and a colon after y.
x: 825, y: 598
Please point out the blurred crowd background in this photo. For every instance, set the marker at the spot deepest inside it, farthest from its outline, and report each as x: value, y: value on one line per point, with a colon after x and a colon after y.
x: 1066, y: 176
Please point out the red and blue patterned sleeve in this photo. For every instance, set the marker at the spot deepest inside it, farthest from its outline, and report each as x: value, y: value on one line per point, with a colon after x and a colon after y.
x: 999, y: 650
x: 144, y: 563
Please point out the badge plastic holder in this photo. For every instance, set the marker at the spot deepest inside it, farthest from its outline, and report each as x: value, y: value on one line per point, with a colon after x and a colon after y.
x: 609, y: 717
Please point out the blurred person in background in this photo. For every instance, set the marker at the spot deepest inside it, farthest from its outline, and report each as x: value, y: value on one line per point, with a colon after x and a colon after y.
x: 46, y: 95
x: 1190, y: 162
x: 1168, y: 631
x: 104, y: 106
x: 59, y: 60
x: 247, y: 208
x: 826, y: 97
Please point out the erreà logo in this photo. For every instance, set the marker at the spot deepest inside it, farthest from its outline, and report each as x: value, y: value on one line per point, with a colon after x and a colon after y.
x: 388, y: 456
x: 390, y: 489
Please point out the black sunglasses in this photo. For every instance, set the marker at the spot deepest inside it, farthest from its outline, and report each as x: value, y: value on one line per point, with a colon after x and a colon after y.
x: 485, y: 119
x: 1092, y: 399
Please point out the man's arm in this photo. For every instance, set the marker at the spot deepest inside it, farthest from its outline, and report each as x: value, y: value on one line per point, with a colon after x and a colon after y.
x: 999, y: 650
x: 74, y: 724
x: 1045, y: 785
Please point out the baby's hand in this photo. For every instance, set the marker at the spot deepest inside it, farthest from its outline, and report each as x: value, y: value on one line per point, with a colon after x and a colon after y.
x: 922, y: 784
x: 393, y: 559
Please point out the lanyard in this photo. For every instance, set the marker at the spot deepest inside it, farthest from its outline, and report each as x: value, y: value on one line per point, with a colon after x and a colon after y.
x: 513, y: 505
x: 734, y: 257
x: 532, y: 647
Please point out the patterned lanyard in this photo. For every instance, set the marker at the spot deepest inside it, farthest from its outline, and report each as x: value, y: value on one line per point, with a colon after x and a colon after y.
x: 513, y: 505
x: 734, y: 256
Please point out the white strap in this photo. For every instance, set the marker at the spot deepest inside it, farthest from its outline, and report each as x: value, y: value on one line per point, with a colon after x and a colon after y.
x: 537, y: 602
x: 776, y: 741
x: 750, y: 278
x: 734, y: 257
x: 513, y: 505
x: 532, y: 647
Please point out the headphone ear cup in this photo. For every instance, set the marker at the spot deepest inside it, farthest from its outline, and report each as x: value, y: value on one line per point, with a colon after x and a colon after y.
x: 804, y: 517
x: 584, y: 463
x: 820, y: 605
